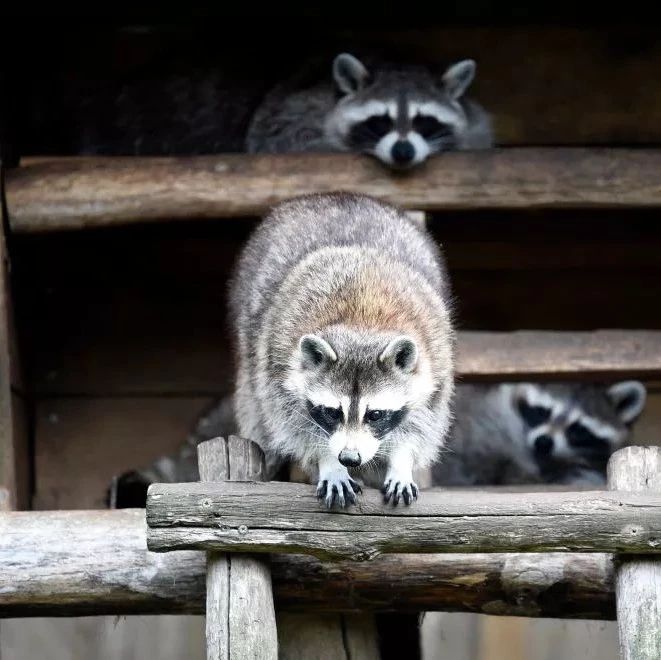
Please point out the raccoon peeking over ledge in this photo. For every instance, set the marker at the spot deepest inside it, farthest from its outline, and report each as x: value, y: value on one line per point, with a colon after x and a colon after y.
x: 399, y: 114
x: 340, y: 311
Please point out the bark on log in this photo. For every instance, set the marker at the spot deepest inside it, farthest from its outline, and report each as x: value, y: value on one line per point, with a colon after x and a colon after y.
x: 74, y: 193
x: 638, y: 579
x: 78, y: 563
x: 280, y: 517
x: 240, y: 613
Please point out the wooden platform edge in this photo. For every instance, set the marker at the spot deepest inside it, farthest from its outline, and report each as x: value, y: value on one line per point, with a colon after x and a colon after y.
x: 84, y: 192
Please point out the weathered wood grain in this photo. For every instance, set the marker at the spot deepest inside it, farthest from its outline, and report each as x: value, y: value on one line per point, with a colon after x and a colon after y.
x: 638, y: 580
x: 14, y: 447
x: 278, y: 517
x: 74, y: 193
x: 73, y: 563
x: 240, y: 612
x: 322, y: 637
x: 557, y: 355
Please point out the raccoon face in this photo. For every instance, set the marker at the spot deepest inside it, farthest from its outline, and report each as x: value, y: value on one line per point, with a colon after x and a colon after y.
x: 578, y: 424
x: 402, y: 116
x: 355, y: 392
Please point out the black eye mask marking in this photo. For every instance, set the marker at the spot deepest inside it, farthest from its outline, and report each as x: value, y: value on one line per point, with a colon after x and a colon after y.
x: 533, y: 415
x: 430, y: 128
x: 370, y: 131
x: 382, y: 422
x: 328, y: 418
x: 581, y: 437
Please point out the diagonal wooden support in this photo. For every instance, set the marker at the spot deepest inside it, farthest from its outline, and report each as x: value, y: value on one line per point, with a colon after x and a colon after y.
x: 240, y: 614
x: 638, y: 579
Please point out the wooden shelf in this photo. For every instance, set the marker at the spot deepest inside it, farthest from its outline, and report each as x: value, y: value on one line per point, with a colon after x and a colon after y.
x: 556, y: 355
x: 48, y: 194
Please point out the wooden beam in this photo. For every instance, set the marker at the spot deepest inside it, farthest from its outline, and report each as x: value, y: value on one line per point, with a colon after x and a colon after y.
x: 530, y: 355
x: 288, y: 518
x: 80, y: 192
x: 638, y: 580
x: 74, y: 563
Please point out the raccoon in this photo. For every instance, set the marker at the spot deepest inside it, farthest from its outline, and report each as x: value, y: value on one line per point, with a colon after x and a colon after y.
x: 526, y: 433
x: 399, y: 114
x: 341, y: 311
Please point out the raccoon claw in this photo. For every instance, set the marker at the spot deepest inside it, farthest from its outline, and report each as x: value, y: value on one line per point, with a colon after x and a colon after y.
x: 396, y: 490
x: 341, y: 490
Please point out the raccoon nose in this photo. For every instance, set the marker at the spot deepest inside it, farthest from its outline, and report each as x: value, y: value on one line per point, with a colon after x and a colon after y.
x: 349, y: 458
x: 403, y: 152
x: 544, y: 445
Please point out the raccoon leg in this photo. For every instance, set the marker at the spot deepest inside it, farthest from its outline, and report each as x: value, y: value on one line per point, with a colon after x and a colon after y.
x: 335, y: 484
x: 399, y: 482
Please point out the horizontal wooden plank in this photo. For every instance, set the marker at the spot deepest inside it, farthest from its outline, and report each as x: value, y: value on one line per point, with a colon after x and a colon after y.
x: 279, y: 517
x: 119, y: 367
x: 77, y: 193
x: 608, y: 354
x: 65, y: 563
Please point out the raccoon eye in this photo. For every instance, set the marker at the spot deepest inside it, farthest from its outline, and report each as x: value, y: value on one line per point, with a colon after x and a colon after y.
x: 374, y: 415
x: 325, y: 416
x: 579, y: 435
x: 334, y: 414
x: 378, y: 125
x: 430, y: 127
x: 533, y: 415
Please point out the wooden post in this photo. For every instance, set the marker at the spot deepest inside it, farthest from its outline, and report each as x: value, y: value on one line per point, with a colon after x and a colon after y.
x: 14, y: 445
x: 240, y: 613
x: 4, y: 506
x: 637, y: 579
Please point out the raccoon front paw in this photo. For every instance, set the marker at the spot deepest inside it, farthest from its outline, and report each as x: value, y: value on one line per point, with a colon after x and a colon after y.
x: 338, y: 487
x: 396, y: 488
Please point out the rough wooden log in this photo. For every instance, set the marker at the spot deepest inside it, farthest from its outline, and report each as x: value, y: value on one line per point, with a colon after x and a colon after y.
x: 638, y: 580
x: 74, y: 193
x: 279, y: 517
x: 240, y: 612
x: 74, y: 563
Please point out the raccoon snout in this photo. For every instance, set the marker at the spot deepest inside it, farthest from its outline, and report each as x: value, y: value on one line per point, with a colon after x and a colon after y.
x: 403, y: 152
x: 349, y: 458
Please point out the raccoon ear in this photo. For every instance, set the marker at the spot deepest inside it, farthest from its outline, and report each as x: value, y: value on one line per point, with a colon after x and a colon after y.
x: 315, y: 351
x: 349, y: 73
x: 628, y: 397
x: 401, y: 353
x: 458, y: 77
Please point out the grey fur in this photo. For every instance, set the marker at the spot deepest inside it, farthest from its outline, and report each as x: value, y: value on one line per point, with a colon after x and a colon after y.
x: 310, y: 117
x: 308, y: 269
